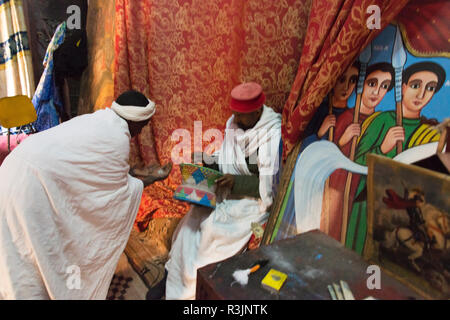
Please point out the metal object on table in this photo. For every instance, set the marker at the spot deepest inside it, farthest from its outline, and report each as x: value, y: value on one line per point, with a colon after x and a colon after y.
x: 340, y: 291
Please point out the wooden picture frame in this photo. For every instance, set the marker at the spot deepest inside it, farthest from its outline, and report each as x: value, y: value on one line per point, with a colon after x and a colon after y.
x: 286, y: 172
x: 406, y: 236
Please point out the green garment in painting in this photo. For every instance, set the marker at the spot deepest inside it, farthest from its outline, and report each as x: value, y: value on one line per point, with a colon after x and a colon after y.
x: 370, y: 142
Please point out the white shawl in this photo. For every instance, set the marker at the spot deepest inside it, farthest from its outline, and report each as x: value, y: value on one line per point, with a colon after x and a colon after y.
x: 67, y: 209
x: 238, y: 145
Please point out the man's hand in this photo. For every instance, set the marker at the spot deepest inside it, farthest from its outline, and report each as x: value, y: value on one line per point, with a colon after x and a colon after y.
x: 353, y: 130
x: 223, y: 186
x: 152, y: 174
x: 328, y: 122
x: 393, y: 135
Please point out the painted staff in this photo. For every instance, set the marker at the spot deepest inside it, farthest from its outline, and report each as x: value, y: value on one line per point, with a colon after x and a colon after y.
x: 327, y: 183
x: 364, y: 59
x: 330, y: 112
x: 398, y: 62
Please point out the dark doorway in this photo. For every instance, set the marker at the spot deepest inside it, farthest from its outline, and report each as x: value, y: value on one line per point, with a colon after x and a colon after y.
x: 43, y: 17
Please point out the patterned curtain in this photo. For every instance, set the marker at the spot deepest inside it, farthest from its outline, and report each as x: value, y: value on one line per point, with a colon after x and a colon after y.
x: 187, y: 55
x: 337, y: 32
x: 16, y: 71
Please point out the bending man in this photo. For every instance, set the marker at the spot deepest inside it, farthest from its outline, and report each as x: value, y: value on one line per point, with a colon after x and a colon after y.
x: 67, y: 204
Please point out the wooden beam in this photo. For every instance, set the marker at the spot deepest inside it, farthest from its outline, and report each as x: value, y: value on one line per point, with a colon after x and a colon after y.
x: 287, y: 171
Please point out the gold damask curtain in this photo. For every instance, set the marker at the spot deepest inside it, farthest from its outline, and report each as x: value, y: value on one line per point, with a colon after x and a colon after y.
x: 187, y: 56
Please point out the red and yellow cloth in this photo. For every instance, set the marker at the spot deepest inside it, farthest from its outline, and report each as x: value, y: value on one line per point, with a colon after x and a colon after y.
x: 188, y: 55
x: 157, y: 202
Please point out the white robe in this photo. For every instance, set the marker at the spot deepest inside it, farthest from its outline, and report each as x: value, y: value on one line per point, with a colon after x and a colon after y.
x: 67, y: 207
x: 204, y: 237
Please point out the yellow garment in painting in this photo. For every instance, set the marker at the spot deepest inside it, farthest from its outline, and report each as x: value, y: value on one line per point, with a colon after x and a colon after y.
x: 366, y: 123
x: 424, y: 134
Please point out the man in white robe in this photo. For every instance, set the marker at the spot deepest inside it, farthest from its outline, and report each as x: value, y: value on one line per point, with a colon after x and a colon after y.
x: 250, y: 150
x: 68, y: 204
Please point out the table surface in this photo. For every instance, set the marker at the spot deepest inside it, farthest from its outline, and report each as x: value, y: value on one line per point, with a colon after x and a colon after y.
x: 312, y: 261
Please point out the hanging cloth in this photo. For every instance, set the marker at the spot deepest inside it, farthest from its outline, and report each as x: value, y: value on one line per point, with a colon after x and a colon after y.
x: 47, y: 99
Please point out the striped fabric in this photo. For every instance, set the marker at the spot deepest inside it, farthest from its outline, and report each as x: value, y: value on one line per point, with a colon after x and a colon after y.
x: 16, y: 44
x: 16, y: 72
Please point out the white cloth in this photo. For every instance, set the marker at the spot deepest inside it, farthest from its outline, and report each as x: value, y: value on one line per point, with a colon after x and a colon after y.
x: 204, y: 237
x: 238, y: 145
x: 67, y: 204
x: 317, y: 162
x: 134, y: 113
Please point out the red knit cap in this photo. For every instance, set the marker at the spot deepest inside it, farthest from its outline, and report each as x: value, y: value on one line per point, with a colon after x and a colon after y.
x: 247, y: 97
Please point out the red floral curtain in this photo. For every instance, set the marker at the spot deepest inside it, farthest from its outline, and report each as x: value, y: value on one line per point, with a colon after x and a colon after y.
x: 131, y: 69
x: 337, y: 33
x: 187, y: 55
x: 429, y: 18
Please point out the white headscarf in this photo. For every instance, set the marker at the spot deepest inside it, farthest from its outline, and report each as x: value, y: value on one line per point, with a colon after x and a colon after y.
x: 134, y: 113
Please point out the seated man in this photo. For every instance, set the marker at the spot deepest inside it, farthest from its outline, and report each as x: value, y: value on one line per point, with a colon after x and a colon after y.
x: 248, y: 158
x: 67, y: 204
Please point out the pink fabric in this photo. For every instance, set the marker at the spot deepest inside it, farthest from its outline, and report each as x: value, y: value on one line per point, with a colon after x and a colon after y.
x: 14, y: 140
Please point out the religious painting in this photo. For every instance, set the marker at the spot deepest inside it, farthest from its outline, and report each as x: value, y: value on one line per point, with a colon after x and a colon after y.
x: 409, y: 224
x: 388, y: 102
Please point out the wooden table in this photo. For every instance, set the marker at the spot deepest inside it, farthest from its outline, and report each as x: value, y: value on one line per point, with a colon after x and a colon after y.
x: 311, y: 260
